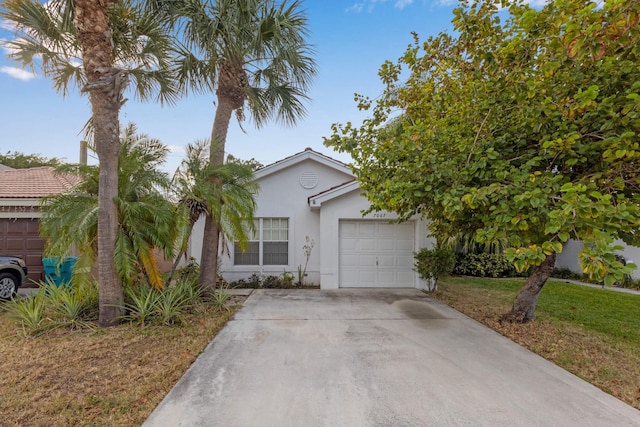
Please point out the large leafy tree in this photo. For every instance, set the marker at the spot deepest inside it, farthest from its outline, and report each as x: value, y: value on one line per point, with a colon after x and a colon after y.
x: 97, y: 46
x: 254, y: 55
x: 145, y: 216
x: 17, y: 160
x: 523, y: 131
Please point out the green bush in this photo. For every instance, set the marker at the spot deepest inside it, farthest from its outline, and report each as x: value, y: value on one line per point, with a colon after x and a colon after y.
x: 73, y: 306
x: 146, y: 305
x: 565, y: 273
x: 483, y: 265
x: 30, y: 313
x: 433, y: 263
x: 271, y: 282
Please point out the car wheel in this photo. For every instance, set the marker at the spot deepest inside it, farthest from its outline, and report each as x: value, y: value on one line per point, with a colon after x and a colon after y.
x: 8, y: 285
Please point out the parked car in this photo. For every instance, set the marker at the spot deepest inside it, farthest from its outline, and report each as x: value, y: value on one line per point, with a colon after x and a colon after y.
x: 13, y: 272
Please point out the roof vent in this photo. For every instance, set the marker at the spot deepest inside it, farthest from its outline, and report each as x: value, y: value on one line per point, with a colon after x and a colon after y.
x: 308, y: 180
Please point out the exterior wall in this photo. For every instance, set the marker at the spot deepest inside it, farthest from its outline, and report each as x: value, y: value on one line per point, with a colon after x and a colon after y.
x: 20, y: 208
x: 281, y: 195
x: 350, y: 206
x: 569, y: 256
x: 29, y: 246
x: 631, y: 254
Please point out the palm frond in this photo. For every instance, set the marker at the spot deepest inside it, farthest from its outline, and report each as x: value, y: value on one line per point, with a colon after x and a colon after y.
x: 46, y: 39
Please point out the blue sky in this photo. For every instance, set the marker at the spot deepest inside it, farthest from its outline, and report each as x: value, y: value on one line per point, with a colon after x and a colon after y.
x: 352, y: 39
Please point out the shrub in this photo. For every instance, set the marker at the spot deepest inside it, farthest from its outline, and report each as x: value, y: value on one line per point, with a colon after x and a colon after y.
x: 30, y: 313
x: 286, y: 280
x: 629, y: 283
x: 220, y: 298
x: 433, y: 263
x: 74, y: 305
x: 271, y: 282
x: 140, y: 304
x: 253, y: 282
x: 189, y: 271
x: 483, y: 265
x: 146, y: 305
x: 177, y: 300
x: 564, y: 273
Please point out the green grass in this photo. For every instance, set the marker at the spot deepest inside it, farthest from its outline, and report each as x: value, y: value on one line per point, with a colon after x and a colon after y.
x: 603, y: 311
x: 614, y: 314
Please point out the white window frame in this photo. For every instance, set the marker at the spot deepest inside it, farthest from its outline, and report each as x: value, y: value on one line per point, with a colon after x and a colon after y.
x: 259, y: 237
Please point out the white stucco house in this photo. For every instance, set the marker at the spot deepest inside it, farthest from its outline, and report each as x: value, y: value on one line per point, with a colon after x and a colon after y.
x: 569, y: 257
x: 312, y: 195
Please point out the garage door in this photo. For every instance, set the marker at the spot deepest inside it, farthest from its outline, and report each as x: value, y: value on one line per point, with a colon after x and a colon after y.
x: 21, y: 237
x: 376, y: 254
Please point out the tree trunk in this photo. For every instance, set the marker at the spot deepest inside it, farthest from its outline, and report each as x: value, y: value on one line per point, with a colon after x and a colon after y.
x: 105, y: 85
x: 211, y: 242
x: 232, y: 84
x: 524, y: 306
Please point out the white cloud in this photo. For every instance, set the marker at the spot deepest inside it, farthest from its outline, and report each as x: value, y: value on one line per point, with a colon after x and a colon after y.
x: 7, y: 25
x: 18, y: 73
x: 176, y: 149
x: 401, y: 4
x: 356, y: 7
x: 369, y: 5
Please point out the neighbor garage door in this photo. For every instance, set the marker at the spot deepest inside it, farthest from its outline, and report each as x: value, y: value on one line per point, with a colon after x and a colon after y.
x: 21, y: 237
x: 376, y: 254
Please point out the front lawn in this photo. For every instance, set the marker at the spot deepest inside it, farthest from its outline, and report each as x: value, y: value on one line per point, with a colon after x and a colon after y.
x: 592, y: 332
x: 107, y: 377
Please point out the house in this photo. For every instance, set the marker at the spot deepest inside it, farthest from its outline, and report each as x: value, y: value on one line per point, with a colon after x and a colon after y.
x: 569, y: 257
x: 20, y: 193
x: 312, y: 196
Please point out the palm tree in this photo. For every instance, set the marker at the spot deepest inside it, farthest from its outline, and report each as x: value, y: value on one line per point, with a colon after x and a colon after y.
x: 232, y: 204
x: 114, y: 41
x: 145, y: 216
x: 253, y: 54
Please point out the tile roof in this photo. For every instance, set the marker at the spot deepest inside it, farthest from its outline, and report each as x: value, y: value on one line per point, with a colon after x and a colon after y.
x: 34, y: 182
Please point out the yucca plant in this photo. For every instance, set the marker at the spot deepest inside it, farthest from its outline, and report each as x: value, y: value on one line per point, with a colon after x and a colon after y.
x: 140, y: 304
x: 176, y: 301
x: 220, y: 297
x: 30, y: 313
x: 72, y: 306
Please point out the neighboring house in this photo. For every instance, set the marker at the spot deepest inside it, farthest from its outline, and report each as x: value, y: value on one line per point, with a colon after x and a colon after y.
x: 569, y: 256
x: 20, y: 193
x: 312, y: 195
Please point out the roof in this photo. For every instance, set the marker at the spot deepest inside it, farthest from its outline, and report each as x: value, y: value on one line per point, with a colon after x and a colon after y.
x: 4, y: 167
x: 316, y: 200
x: 34, y: 182
x: 308, y: 153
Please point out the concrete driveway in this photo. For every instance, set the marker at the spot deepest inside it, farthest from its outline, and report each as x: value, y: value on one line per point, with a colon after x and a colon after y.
x: 371, y: 357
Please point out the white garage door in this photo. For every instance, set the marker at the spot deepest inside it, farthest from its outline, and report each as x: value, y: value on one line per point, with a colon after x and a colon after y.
x: 376, y: 254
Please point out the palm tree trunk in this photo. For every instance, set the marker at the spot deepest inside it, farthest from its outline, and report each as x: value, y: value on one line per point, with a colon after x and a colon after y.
x: 524, y: 306
x: 211, y: 243
x: 105, y: 86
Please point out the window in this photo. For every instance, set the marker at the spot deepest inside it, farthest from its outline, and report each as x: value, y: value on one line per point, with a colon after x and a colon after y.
x: 268, y: 246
